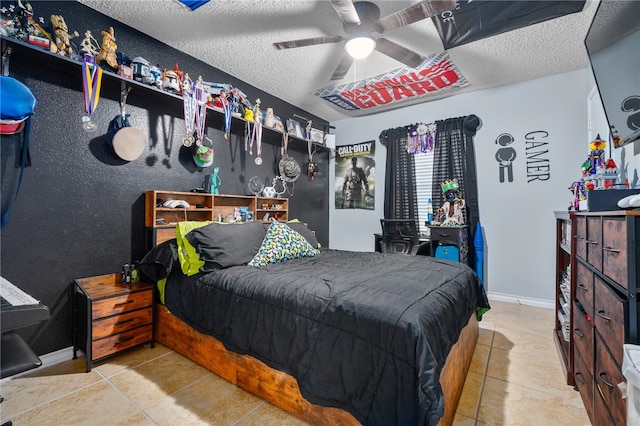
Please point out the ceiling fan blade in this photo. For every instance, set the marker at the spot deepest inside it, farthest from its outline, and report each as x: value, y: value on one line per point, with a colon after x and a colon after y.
x: 414, y: 13
x: 399, y: 53
x: 343, y: 67
x: 347, y: 11
x: 307, y: 42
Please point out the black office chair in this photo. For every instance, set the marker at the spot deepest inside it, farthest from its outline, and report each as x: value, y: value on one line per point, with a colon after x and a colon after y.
x: 399, y: 236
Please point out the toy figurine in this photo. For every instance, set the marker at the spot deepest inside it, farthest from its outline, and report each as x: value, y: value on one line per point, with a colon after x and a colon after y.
x: 215, y: 181
x: 63, y: 38
x: 579, y: 192
x: 89, y: 45
x: 452, y: 211
x: 107, y: 52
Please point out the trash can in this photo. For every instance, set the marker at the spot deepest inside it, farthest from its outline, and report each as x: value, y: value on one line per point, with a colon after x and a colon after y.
x: 631, y: 371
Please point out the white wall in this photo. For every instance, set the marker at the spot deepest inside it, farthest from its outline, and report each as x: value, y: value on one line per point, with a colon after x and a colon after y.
x: 517, y: 217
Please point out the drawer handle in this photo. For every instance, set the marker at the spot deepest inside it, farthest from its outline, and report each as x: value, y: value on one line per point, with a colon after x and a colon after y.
x: 610, y: 249
x: 578, y: 332
x: 124, y: 339
x: 117, y: 305
x: 603, y: 374
x: 123, y: 322
x: 583, y: 287
x: 601, y: 315
x: 592, y: 242
x: 578, y: 376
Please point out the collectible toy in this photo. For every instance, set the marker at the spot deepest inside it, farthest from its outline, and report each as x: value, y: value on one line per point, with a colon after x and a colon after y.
x: 63, y: 38
x: 452, y: 211
x: 107, y: 56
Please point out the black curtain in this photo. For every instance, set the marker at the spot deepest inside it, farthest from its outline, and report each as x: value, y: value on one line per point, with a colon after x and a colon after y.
x: 454, y: 158
x: 400, y: 197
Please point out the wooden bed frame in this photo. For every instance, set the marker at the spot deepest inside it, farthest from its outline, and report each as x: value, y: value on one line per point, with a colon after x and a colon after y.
x: 282, y: 389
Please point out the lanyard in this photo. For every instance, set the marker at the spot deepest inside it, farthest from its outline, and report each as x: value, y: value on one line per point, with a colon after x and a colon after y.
x: 91, y: 84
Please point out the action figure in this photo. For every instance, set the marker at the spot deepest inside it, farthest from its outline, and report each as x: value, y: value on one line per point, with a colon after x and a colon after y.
x: 108, y: 51
x: 452, y: 211
x: 63, y: 38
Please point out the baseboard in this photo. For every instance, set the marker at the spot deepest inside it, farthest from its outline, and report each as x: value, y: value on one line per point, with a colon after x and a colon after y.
x: 540, y: 303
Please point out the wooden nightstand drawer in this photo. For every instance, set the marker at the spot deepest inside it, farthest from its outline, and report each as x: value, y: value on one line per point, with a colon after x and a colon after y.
x: 125, y: 303
x: 116, y: 343
x: 120, y: 323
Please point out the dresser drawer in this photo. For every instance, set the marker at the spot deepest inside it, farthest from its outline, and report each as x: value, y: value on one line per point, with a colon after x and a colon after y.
x: 581, y: 237
x: 583, y: 337
x: 609, y: 318
x: 594, y: 242
x: 584, y: 383
x: 447, y: 235
x: 119, y: 304
x: 584, y: 287
x: 116, y: 343
x: 614, y: 250
x: 607, y: 378
x: 120, y: 323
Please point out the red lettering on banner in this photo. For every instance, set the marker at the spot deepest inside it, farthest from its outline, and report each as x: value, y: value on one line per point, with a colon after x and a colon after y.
x: 405, y: 79
x: 381, y: 96
x: 401, y: 91
x: 445, y: 80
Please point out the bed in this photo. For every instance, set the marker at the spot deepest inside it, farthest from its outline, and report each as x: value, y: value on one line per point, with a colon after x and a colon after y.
x: 333, y: 337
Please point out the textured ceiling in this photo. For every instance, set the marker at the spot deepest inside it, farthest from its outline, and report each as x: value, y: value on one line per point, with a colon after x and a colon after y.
x: 236, y: 37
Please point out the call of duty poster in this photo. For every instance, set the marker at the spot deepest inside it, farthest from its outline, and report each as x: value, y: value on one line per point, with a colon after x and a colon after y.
x: 355, y: 176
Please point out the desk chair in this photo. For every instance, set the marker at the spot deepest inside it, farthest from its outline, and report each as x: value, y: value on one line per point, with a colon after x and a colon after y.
x: 399, y: 236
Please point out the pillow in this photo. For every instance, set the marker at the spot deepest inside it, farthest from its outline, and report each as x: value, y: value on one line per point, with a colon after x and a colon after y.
x: 158, y: 263
x: 282, y: 243
x: 304, y: 230
x: 190, y: 261
x: 221, y: 245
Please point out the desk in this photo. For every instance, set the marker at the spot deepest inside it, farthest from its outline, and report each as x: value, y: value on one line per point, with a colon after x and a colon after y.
x: 424, y: 247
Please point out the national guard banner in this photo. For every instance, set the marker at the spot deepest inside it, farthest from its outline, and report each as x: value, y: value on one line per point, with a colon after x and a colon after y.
x: 355, y: 176
x: 435, y: 74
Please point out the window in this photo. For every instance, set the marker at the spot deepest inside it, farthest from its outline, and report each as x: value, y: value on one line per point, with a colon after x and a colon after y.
x: 424, y: 177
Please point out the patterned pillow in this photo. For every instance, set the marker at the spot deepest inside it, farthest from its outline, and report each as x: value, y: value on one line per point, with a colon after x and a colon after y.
x: 282, y: 243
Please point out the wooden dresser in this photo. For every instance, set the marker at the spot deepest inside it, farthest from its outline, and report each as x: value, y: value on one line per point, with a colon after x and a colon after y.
x: 110, y: 316
x: 605, y: 308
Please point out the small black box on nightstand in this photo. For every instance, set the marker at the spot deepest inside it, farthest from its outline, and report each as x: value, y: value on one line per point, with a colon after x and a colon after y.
x: 600, y: 200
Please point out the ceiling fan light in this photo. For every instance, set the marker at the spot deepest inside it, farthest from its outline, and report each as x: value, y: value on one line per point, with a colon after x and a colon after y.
x: 360, y: 47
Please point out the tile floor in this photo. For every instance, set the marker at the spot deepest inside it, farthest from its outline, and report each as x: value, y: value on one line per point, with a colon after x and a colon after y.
x: 515, y: 379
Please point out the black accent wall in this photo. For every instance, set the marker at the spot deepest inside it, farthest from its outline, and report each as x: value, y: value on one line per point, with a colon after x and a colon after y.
x: 80, y: 209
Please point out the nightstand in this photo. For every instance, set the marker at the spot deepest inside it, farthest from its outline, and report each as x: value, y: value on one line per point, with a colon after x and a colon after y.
x: 110, y: 316
x: 450, y: 242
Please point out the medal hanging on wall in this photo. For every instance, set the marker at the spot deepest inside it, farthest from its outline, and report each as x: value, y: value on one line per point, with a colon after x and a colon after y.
x: 257, y: 132
x: 190, y: 106
x: 226, y: 107
x: 201, y: 113
x: 91, y: 84
x: 312, y: 168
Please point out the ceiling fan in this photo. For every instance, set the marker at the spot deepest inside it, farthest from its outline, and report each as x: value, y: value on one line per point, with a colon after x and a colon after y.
x: 360, y: 20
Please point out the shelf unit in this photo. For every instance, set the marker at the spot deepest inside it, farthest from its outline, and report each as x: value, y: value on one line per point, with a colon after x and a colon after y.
x: 161, y: 221
x: 113, y: 84
x: 565, y: 292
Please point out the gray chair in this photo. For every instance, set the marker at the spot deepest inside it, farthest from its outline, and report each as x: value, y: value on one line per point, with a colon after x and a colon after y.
x: 399, y: 236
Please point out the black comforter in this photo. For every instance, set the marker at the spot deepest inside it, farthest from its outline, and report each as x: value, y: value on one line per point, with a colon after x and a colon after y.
x: 365, y: 332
